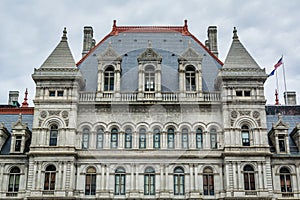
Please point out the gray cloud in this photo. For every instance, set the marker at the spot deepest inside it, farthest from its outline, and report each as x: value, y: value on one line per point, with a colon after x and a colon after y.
x: 31, y: 29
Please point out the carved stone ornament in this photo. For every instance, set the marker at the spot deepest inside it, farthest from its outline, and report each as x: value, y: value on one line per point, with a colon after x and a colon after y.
x: 234, y: 114
x: 244, y: 112
x: 54, y: 112
x: 43, y: 114
x: 65, y: 114
x: 256, y: 114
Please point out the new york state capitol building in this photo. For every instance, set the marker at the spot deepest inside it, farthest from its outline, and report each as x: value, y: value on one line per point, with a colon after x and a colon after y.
x: 150, y: 112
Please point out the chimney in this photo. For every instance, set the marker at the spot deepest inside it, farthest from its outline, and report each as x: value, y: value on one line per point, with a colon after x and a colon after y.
x: 13, y: 98
x: 290, y: 98
x: 212, y: 42
x: 88, y: 41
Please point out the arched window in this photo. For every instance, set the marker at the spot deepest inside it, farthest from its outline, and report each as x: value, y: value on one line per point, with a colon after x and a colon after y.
x: 142, y: 138
x: 285, y: 180
x: 245, y: 135
x: 14, y: 179
x: 100, y: 137
x: 213, y: 138
x: 156, y: 138
x: 128, y: 138
x: 178, y: 181
x: 208, y: 181
x: 85, y: 138
x: 149, y: 181
x: 185, y: 138
x: 90, y: 181
x: 199, y: 138
x: 171, y: 138
x: 109, y: 79
x: 114, y: 138
x: 120, y: 181
x: 53, y: 135
x: 149, y: 78
x: 190, y: 78
x: 50, y: 174
x: 249, y: 180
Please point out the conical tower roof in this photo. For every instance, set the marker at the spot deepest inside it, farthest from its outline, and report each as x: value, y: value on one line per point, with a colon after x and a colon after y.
x: 238, y: 57
x: 61, y: 56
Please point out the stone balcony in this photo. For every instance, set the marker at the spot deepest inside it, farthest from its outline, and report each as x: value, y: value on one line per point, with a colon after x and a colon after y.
x: 173, y: 97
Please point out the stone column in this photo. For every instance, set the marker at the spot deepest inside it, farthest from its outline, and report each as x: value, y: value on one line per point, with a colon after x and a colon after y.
x: 163, y: 140
x: 107, y: 177
x: 102, y: 176
x: 234, y: 176
x: 98, y: 178
x: 177, y: 139
x: 196, y: 181
x: 240, y: 181
x: 106, y: 144
x: 39, y: 178
x: 192, y: 140
x: 260, y: 175
x: 150, y: 140
x: 191, y: 177
x: 1, y: 176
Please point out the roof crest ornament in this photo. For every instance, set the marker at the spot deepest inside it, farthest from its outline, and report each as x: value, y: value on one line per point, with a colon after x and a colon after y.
x: 149, y: 44
x: 25, y: 104
x: 235, y: 36
x: 64, y: 37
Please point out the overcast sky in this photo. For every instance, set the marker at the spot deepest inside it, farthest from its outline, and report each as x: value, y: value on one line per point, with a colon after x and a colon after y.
x: 31, y: 29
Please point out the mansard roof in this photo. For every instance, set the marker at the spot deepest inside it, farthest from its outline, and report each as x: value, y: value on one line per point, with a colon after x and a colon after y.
x: 238, y: 57
x: 170, y: 42
x: 61, y: 55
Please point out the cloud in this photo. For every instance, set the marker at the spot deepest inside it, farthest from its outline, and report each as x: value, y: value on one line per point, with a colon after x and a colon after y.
x: 32, y: 29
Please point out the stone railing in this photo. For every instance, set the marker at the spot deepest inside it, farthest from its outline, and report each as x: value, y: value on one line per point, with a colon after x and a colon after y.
x: 151, y: 96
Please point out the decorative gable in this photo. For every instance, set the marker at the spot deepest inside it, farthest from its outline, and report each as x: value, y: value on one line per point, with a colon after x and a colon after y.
x: 190, y: 55
x: 109, y: 55
x: 4, y: 134
x: 149, y: 55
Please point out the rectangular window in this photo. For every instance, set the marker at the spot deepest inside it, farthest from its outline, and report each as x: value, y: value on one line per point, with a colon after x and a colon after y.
x: 114, y: 140
x: 18, y: 143
x: 85, y: 141
x: 149, y: 184
x: 171, y: 140
x: 245, y: 139
x: 247, y: 93
x: 100, y: 141
x: 90, y: 184
x: 239, y: 93
x: 128, y: 140
x: 156, y: 141
x: 281, y: 141
x: 199, y: 141
x: 51, y: 93
x: 142, y: 140
x: 208, y: 184
x: 213, y: 141
x: 185, y: 140
x: 60, y: 93
x: 178, y: 185
x: 120, y: 184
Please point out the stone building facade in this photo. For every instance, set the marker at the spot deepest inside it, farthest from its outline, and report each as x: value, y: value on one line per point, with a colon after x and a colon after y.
x: 150, y: 112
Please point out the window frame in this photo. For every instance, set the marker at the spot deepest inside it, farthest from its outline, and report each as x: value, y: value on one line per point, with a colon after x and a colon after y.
x: 208, y: 182
x: 14, y: 180
x: 171, y: 138
x: 90, y: 181
x: 213, y: 142
x: 100, y: 140
x: 249, y: 178
x: 128, y: 138
x: 149, y: 78
x: 53, y: 135
x: 50, y: 178
x: 109, y: 79
x: 199, y: 138
x: 114, y: 141
x: 156, y: 142
x: 285, y: 177
x: 149, y: 181
x: 85, y: 138
x: 245, y: 131
x: 120, y: 181
x: 190, y: 78
x: 179, y: 181
x: 185, y: 138
x: 142, y: 138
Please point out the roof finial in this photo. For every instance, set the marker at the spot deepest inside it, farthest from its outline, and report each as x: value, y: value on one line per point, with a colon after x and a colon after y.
x: 235, y: 36
x: 149, y: 44
x: 64, y: 37
x: 25, y: 104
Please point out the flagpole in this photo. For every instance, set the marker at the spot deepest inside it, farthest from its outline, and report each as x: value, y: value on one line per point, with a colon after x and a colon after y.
x: 277, y: 83
x: 285, y: 96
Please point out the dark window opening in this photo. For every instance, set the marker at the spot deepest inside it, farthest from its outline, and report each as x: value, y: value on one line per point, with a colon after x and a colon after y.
x: 51, y: 93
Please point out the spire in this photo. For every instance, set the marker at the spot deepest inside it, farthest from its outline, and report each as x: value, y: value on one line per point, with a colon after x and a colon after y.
x: 61, y: 56
x: 25, y: 104
x: 238, y: 57
x: 276, y: 98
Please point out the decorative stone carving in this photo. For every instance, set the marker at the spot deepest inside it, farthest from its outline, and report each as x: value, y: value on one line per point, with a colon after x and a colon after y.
x: 43, y: 114
x: 54, y: 112
x: 256, y: 114
x: 65, y: 114
x: 245, y: 112
x: 234, y: 114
